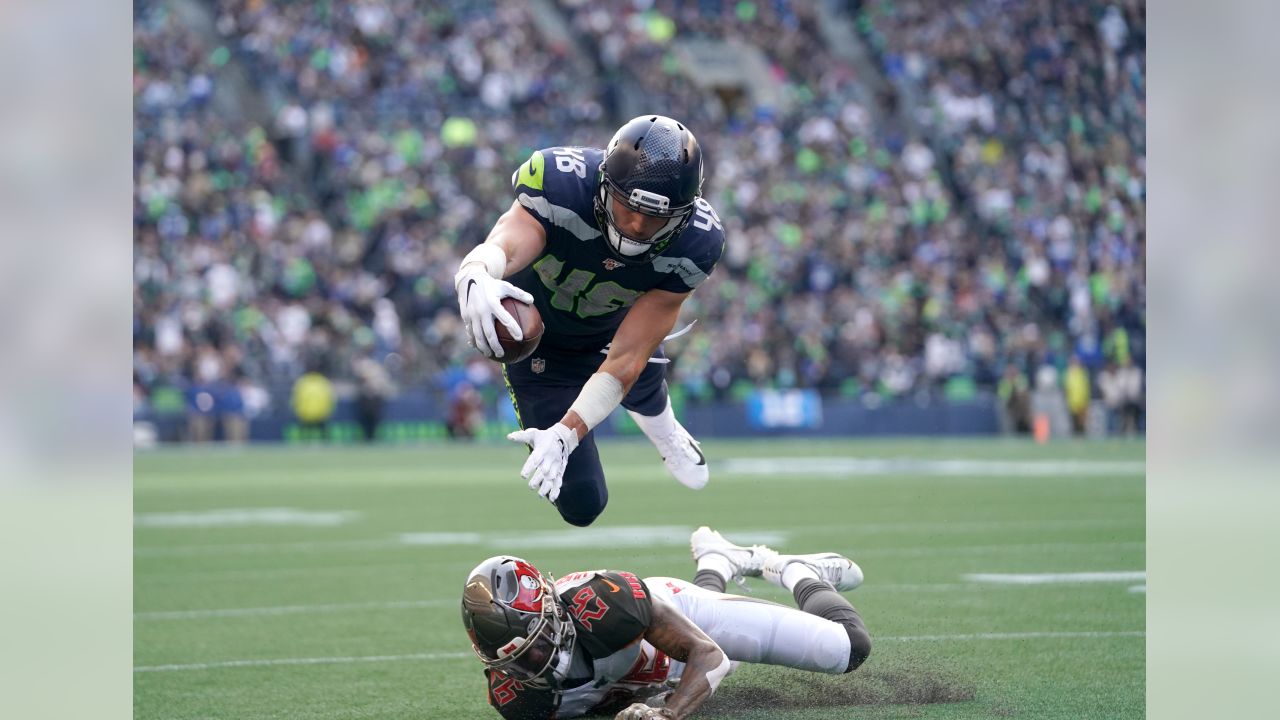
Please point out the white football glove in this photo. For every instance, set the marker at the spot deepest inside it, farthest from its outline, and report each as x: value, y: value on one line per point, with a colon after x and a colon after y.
x: 480, y: 301
x: 640, y: 711
x: 550, y: 454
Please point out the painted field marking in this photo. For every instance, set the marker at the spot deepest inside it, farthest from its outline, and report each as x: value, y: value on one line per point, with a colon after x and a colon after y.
x: 944, y: 525
x: 993, y: 549
x: 241, y: 517
x: 611, y: 537
x: 601, y: 537
x: 1056, y: 578
x: 194, y: 577
x: 624, y: 536
x: 949, y: 550
x: 916, y: 466
x: 1083, y: 634
x: 250, y: 548
x: 289, y: 609
x: 441, y: 538
x: 302, y: 661
x: 275, y: 610
x: 462, y: 655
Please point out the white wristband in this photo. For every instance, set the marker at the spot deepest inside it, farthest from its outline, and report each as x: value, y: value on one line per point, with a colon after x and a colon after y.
x: 715, y: 676
x: 492, y: 257
x: 600, y: 395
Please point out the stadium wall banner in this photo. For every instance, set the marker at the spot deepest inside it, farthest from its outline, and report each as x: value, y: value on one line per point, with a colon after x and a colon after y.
x: 773, y: 409
x: 417, y: 417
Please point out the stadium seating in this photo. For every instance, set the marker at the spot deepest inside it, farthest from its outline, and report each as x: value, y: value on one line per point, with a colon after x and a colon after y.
x: 307, y: 176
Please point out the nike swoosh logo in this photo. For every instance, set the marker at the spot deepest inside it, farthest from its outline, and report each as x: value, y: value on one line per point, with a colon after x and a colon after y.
x: 702, y: 459
x: 469, y: 284
x: 612, y: 588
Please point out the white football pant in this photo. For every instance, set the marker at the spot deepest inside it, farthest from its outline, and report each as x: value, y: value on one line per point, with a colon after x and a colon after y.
x: 757, y: 631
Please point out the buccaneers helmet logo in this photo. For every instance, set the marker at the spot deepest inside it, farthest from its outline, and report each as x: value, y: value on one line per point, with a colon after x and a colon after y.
x: 529, y: 595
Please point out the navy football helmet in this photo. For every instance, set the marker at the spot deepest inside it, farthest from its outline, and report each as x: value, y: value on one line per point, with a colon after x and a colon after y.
x: 516, y: 623
x: 652, y: 166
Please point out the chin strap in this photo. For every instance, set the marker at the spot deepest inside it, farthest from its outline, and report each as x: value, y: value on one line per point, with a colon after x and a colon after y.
x: 661, y: 361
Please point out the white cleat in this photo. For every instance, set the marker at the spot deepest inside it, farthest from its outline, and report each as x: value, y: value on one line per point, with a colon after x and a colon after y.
x: 836, y: 569
x: 747, y: 561
x: 682, y: 455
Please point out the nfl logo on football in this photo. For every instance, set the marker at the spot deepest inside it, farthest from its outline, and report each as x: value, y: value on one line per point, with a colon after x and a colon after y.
x: 538, y: 365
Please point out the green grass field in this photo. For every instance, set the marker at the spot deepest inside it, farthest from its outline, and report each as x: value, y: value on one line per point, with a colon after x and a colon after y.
x: 324, y: 583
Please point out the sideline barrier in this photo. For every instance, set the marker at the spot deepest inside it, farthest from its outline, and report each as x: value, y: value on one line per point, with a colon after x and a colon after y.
x: 418, y: 417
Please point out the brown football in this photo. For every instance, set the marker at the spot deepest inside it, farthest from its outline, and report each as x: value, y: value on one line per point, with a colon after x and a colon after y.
x: 530, y: 321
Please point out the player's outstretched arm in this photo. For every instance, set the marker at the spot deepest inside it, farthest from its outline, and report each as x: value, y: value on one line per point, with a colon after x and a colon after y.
x: 641, y: 332
x: 646, y: 324
x: 705, y: 664
x: 514, y: 242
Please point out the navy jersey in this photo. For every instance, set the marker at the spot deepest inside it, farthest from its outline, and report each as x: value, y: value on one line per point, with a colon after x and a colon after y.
x: 580, y: 288
x: 611, y: 663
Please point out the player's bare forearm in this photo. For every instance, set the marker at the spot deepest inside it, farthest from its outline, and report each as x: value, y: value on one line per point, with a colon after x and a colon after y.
x: 520, y: 236
x: 679, y: 638
x: 639, y: 335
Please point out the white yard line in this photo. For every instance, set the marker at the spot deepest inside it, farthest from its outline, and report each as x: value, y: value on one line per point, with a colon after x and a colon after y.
x: 244, y: 517
x: 1056, y: 578
x: 251, y: 548
x: 1018, y: 636
x: 945, y: 525
x: 975, y: 582
x: 302, y: 661
x: 988, y: 549
x: 461, y: 655
x: 275, y: 610
x: 844, y: 466
x: 626, y: 536
x: 289, y: 609
x: 276, y: 574
x: 594, y: 537
x: 859, y: 555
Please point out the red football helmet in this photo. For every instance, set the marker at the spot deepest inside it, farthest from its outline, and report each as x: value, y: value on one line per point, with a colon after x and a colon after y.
x: 516, y: 623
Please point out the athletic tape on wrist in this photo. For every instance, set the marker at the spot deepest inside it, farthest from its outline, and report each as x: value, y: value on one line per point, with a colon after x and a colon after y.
x: 600, y: 395
x: 720, y: 673
x: 490, y: 256
x: 567, y: 435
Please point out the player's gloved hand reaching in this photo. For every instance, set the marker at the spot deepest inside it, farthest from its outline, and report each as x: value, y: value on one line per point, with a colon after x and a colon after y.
x: 640, y: 711
x: 480, y: 301
x: 549, y: 455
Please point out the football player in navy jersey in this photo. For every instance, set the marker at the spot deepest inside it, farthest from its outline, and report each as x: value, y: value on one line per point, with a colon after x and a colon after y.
x: 607, y: 244
x: 657, y: 647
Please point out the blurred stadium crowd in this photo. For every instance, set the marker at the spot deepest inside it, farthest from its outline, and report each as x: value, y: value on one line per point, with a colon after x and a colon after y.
x: 960, y: 209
